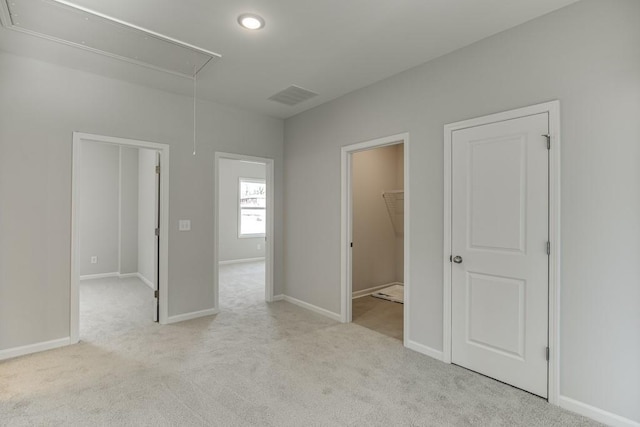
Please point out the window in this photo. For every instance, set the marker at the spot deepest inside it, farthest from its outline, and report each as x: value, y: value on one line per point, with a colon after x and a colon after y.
x: 253, y: 208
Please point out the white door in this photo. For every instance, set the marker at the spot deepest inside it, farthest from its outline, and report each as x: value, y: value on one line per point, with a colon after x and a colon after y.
x: 499, y: 226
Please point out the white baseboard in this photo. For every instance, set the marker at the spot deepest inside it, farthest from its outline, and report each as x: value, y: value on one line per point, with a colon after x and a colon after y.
x: 364, y: 292
x: 146, y: 281
x: 192, y: 315
x: 33, y: 348
x: 314, y: 308
x: 127, y: 275
x: 99, y: 276
x: 421, y: 348
x: 278, y: 297
x: 595, y: 413
x: 239, y: 261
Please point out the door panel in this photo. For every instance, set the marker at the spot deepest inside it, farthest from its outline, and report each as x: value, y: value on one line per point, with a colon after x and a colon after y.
x: 500, y: 230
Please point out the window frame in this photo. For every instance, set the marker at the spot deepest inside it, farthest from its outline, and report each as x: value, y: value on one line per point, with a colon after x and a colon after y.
x: 257, y: 181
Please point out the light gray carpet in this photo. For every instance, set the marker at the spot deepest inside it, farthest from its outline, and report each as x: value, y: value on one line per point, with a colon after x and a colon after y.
x: 253, y: 364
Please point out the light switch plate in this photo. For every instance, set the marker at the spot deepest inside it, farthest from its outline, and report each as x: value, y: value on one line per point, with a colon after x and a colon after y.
x: 184, y: 225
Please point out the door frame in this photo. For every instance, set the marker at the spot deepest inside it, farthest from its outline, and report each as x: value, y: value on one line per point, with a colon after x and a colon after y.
x: 346, y: 235
x: 269, y: 236
x: 552, y: 108
x: 74, y: 306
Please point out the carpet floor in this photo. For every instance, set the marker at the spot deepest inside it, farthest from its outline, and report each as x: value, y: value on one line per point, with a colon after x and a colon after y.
x: 253, y: 364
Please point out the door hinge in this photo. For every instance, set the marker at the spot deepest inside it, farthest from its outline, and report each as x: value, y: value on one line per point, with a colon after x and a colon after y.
x: 157, y: 231
x: 547, y: 353
x: 450, y: 258
x: 548, y: 247
x: 548, y: 136
x: 351, y: 245
x: 155, y: 294
x: 158, y: 169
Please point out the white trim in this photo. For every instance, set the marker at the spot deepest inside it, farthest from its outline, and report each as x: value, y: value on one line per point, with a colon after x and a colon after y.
x: 553, y: 110
x: 428, y: 351
x: 146, y: 281
x: 99, y: 275
x: 269, y: 238
x: 127, y: 275
x: 346, y: 226
x: 314, y: 308
x: 192, y: 315
x: 279, y: 297
x: 240, y: 261
x: 594, y: 413
x: 364, y: 292
x: 10, y: 353
x: 120, y: 208
x: 74, y: 316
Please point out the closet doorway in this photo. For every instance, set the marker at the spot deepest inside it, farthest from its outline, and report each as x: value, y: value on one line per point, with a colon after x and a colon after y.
x: 375, y: 195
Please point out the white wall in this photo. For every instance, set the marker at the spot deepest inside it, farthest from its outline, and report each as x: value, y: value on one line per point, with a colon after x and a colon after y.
x: 231, y: 246
x: 147, y: 214
x: 374, y: 255
x: 128, y: 210
x: 99, y: 208
x: 41, y: 105
x: 586, y: 55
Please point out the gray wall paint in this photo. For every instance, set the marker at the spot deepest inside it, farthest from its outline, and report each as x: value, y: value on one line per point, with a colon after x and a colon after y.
x: 99, y: 207
x: 36, y: 128
x: 108, y: 206
x: 374, y: 255
x: 147, y: 214
x: 585, y: 55
x: 231, y: 246
x: 128, y: 210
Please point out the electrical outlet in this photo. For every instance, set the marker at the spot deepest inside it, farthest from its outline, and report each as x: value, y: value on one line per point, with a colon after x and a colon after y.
x: 94, y: 259
x: 184, y: 225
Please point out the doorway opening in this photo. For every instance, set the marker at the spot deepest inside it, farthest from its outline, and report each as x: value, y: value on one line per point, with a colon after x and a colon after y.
x: 243, y: 255
x: 119, y: 234
x: 375, y: 282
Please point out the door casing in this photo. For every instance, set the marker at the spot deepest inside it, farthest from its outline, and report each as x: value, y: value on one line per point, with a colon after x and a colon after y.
x: 269, y: 237
x: 163, y: 149
x: 346, y: 226
x: 553, y: 109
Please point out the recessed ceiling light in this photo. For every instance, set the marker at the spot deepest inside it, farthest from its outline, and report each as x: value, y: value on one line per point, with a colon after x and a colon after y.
x: 250, y: 21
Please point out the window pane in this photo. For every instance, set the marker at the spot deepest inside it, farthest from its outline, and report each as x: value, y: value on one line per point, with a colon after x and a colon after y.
x: 252, y: 221
x: 253, y: 202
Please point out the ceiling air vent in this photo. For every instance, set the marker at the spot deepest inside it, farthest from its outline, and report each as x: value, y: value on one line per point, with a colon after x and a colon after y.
x: 292, y: 95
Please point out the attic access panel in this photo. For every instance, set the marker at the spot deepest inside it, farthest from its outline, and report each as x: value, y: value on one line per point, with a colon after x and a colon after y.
x: 73, y: 25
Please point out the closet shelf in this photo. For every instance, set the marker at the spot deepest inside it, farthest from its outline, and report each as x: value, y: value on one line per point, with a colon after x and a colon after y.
x: 394, y: 199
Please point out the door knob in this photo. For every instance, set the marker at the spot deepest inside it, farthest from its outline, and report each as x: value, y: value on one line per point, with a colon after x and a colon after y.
x: 457, y: 259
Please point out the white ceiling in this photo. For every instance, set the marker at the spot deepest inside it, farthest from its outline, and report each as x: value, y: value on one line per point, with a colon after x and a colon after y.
x: 331, y: 47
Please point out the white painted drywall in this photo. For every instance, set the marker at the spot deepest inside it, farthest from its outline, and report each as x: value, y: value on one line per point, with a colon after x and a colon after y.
x: 128, y: 210
x: 375, y: 259
x: 586, y: 55
x: 147, y: 214
x: 233, y: 247
x: 99, y: 207
x: 42, y: 104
